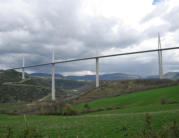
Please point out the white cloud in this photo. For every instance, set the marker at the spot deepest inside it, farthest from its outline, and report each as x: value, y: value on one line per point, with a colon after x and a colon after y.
x: 78, y: 73
x: 76, y: 28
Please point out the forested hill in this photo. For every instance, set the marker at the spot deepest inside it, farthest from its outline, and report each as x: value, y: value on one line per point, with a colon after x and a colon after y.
x: 14, y: 89
x: 9, y: 76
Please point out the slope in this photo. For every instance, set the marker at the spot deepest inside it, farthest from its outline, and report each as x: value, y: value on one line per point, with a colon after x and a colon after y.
x: 13, y: 89
x: 9, y: 76
x: 117, y: 88
x: 147, y: 97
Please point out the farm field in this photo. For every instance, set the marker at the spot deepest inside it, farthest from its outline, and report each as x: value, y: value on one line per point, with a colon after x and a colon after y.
x: 129, y: 121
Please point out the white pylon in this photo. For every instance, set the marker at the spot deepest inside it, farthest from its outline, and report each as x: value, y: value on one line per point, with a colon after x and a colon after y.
x: 160, y: 58
x: 23, y: 73
x: 97, y: 72
x: 53, y: 75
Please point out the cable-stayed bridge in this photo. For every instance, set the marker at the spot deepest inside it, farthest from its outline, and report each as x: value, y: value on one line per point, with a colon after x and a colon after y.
x: 159, y: 50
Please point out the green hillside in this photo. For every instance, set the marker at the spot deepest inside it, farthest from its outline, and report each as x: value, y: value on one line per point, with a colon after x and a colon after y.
x: 117, y: 88
x: 130, y: 120
x: 146, y: 97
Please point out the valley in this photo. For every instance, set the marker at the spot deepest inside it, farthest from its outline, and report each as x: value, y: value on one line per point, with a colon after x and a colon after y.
x: 118, y: 108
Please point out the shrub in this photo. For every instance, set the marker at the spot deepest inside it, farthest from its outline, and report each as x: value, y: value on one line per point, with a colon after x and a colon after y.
x: 86, y: 106
x: 117, y: 107
x: 148, y: 131
x: 109, y: 108
x: 163, y: 100
x: 52, y: 108
x: 69, y: 110
x: 9, y: 132
x: 47, y: 109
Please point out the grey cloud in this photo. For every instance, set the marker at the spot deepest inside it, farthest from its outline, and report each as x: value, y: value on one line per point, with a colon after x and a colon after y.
x: 170, y: 18
x: 33, y: 27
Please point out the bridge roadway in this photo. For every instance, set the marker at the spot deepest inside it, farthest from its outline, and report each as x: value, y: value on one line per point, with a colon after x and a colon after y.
x: 98, y: 57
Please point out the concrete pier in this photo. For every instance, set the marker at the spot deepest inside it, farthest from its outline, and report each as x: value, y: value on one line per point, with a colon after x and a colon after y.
x: 97, y: 72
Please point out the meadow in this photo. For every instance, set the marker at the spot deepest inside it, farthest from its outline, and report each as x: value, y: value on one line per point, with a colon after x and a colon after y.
x: 147, y: 97
x: 129, y: 121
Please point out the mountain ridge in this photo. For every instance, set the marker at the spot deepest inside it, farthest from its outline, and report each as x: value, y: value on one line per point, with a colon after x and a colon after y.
x: 109, y: 76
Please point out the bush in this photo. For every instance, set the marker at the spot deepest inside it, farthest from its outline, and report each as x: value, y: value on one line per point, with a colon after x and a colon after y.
x: 52, y: 108
x: 163, y: 100
x: 9, y: 132
x: 109, y: 108
x: 47, y: 109
x: 69, y: 110
x: 117, y: 107
x: 86, y: 106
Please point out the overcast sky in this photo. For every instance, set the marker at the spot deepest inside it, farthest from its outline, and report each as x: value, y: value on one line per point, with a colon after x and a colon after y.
x: 85, y: 28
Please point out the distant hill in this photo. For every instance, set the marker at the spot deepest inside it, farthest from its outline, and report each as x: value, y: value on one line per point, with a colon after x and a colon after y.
x: 14, y: 89
x: 168, y: 75
x: 152, y: 77
x: 44, y: 75
x: 113, y: 76
x: 122, y: 76
x: 9, y: 76
x: 172, y: 75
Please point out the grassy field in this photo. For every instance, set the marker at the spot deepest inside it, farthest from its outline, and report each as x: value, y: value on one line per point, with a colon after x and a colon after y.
x: 147, y: 97
x: 125, y: 122
x: 112, y: 124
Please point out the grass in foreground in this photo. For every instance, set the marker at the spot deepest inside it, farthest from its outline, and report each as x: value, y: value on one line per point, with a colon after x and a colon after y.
x: 89, y: 126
